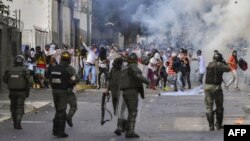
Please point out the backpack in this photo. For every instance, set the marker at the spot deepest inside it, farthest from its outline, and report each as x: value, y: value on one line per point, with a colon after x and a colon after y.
x: 243, y: 64
x: 16, y: 79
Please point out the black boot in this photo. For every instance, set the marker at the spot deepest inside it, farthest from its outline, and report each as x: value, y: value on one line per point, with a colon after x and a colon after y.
x: 14, y: 120
x: 70, y: 115
x: 55, y: 127
x: 219, y: 119
x: 69, y: 121
x: 58, y: 129
x: 125, y: 126
x: 17, y: 121
x: 131, y: 133
x: 61, y: 129
x: 119, y: 128
x: 210, y: 119
x: 17, y: 125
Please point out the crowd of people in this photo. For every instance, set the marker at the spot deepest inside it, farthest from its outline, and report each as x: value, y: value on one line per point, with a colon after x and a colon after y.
x: 167, y: 68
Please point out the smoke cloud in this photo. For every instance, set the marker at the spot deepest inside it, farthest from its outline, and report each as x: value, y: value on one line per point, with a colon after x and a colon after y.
x: 207, y: 24
x: 201, y: 24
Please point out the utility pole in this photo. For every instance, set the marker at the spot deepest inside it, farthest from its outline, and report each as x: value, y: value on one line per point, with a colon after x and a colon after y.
x: 19, y: 22
x: 60, y: 23
x: 88, y: 23
x: 72, y: 31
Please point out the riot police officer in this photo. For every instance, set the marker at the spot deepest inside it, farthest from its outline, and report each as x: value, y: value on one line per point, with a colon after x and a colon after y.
x: 114, y: 87
x: 132, y: 84
x: 63, y: 78
x: 214, y: 92
x: 17, y: 79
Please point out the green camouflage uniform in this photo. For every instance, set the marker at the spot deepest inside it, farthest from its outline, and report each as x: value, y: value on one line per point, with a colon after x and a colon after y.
x: 131, y: 83
x: 62, y: 91
x: 114, y: 87
x: 17, y: 96
x: 214, y: 93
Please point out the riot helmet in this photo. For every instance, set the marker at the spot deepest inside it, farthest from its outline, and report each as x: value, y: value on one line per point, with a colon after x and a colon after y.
x: 218, y: 57
x: 66, y: 57
x: 19, y: 60
x: 118, y: 63
x: 132, y: 58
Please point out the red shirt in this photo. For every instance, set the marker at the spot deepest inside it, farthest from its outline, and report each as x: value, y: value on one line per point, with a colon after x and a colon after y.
x: 170, y: 70
x: 232, y: 63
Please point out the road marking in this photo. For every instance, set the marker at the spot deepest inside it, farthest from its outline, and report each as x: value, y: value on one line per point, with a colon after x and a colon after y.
x: 37, y: 122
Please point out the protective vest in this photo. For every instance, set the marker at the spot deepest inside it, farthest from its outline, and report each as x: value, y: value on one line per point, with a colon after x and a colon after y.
x: 59, y: 77
x: 17, y: 79
x: 128, y: 81
x: 213, y: 74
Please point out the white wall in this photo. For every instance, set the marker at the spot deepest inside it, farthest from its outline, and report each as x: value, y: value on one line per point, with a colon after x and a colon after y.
x: 43, y: 14
x: 33, y: 12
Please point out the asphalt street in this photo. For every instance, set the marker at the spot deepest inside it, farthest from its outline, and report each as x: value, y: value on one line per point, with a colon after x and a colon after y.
x: 171, y: 117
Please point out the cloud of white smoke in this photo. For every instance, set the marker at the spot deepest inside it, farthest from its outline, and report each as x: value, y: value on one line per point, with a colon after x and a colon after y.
x: 232, y: 23
x: 207, y: 24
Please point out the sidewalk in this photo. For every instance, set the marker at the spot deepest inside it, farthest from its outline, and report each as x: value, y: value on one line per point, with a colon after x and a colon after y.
x: 37, y: 99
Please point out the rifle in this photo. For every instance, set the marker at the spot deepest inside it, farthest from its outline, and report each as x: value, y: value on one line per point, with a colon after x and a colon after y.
x: 105, y: 100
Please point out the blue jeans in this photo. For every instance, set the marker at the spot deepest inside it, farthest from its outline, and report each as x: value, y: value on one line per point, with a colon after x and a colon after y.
x: 178, y: 81
x: 87, y: 69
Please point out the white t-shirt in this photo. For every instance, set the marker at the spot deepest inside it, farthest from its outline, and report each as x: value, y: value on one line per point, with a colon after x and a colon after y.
x: 91, y: 57
x: 202, y: 67
x: 102, y: 64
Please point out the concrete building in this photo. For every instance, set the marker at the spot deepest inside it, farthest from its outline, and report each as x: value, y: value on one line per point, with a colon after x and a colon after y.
x: 40, y: 18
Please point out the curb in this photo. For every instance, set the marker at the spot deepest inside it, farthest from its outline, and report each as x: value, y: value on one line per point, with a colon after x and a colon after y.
x: 82, y: 87
x: 29, y: 107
